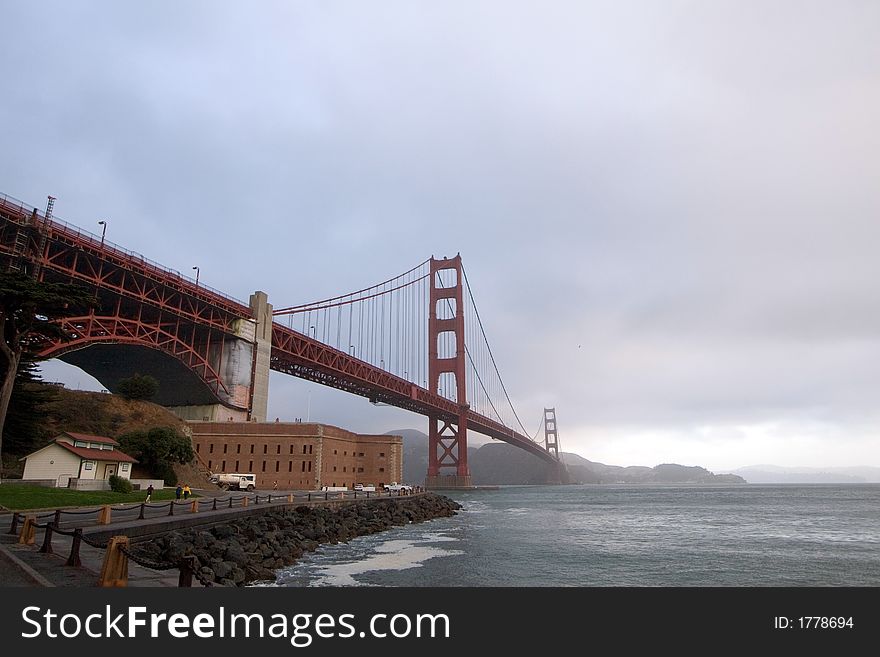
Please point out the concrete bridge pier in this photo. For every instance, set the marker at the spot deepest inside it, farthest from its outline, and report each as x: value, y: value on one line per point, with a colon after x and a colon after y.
x: 261, y: 311
x: 244, y: 361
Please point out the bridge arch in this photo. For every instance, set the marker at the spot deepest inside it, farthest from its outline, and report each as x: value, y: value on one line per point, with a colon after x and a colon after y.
x: 191, y: 371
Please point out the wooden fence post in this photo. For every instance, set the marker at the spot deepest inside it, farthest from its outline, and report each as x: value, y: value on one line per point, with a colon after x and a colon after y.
x: 114, y: 572
x: 104, y: 515
x: 73, y: 559
x: 26, y: 537
x: 187, y: 568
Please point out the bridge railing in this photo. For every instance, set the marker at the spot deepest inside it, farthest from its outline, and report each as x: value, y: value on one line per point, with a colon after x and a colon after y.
x: 119, y: 251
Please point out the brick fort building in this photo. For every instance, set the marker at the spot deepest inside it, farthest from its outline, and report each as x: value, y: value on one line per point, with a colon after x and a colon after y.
x: 298, y: 455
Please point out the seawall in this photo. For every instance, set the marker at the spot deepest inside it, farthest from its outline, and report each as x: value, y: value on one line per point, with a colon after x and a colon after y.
x: 249, y: 549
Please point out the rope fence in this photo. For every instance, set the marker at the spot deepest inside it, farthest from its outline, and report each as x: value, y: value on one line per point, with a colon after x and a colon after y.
x: 115, y: 568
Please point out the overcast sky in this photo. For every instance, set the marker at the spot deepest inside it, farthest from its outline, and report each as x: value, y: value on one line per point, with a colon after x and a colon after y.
x: 669, y: 211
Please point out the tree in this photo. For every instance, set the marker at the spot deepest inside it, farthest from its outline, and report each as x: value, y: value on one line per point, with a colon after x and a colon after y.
x: 138, y: 387
x: 29, y: 311
x: 24, y: 429
x: 157, y: 449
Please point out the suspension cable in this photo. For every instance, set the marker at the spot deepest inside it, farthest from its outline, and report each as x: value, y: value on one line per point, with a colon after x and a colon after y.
x: 489, y: 347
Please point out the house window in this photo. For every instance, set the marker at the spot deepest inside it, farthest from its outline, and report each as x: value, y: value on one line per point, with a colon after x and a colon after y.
x: 360, y: 453
x: 334, y: 468
x: 236, y: 466
x: 209, y: 464
x: 381, y: 469
x: 89, y: 465
x: 198, y: 447
x: 310, y: 466
x: 344, y: 469
x: 238, y: 449
x: 251, y: 466
x: 291, y: 448
x: 304, y: 466
x: 335, y: 452
x: 125, y: 467
x: 360, y: 469
x: 80, y: 443
x: 345, y: 453
x: 252, y: 449
x: 211, y: 448
x: 310, y: 449
x: 264, y: 466
x: 304, y: 449
x: 107, y: 447
x: 279, y: 449
x: 277, y: 465
x: 290, y: 466
x: 223, y: 466
x: 225, y: 446
x: 265, y: 449
x: 381, y: 454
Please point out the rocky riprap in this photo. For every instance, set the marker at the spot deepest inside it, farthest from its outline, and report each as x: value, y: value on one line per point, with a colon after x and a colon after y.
x: 254, y: 547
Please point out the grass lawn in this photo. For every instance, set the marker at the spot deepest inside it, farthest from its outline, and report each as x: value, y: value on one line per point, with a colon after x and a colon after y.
x: 19, y: 498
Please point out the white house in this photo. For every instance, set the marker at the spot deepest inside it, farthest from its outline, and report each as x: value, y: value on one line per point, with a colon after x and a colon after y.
x: 77, y: 456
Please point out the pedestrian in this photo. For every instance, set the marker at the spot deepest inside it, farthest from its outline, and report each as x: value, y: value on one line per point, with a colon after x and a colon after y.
x: 178, y: 491
x: 149, y: 494
x: 186, y: 492
x: 275, y: 485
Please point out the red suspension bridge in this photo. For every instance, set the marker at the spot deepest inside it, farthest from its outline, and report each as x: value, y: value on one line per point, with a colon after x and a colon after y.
x: 415, y: 341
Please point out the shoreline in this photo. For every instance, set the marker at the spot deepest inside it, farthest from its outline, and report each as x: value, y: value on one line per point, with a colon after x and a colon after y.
x: 252, y: 549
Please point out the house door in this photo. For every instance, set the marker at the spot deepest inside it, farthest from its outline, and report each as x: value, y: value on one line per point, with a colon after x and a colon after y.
x: 109, y: 471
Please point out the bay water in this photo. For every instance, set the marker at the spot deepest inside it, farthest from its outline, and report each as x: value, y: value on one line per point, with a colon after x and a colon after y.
x: 670, y: 535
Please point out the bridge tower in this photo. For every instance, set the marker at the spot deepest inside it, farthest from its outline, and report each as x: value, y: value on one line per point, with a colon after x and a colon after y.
x: 551, y: 444
x: 447, y: 439
x: 551, y: 437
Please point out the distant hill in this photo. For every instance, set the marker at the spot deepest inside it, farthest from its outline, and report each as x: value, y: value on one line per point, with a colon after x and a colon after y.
x: 591, y: 472
x: 498, y: 463
x: 774, y: 474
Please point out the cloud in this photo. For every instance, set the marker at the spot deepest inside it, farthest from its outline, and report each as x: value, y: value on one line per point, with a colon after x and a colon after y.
x: 688, y: 191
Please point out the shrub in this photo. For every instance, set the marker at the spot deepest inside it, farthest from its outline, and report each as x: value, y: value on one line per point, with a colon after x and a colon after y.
x: 166, y: 472
x: 119, y: 484
x: 157, y: 449
x: 138, y: 387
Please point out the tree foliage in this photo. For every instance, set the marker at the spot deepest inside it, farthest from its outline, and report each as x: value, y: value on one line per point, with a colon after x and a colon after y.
x: 138, y: 387
x: 24, y: 429
x: 29, y: 314
x: 157, y: 449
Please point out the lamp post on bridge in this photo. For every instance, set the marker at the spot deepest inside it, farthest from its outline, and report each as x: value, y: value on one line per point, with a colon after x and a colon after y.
x: 198, y: 271
x: 313, y: 332
x: 103, y: 224
x: 351, y: 349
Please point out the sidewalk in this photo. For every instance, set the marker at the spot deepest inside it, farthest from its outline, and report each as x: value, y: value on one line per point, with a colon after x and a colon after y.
x: 25, y: 565
x: 24, y: 561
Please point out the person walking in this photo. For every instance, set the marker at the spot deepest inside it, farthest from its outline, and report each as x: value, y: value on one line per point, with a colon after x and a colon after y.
x: 149, y: 494
x: 186, y: 492
x: 178, y: 491
x: 275, y: 485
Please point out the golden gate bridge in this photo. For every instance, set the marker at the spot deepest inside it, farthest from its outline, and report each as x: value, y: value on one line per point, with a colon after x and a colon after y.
x: 415, y: 341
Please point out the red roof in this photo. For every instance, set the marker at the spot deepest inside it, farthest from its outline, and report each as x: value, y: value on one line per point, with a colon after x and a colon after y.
x: 98, y: 454
x: 92, y: 439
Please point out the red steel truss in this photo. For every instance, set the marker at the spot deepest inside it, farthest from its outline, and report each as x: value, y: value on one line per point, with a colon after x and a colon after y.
x: 298, y: 355
x: 138, y: 302
x: 144, y: 303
